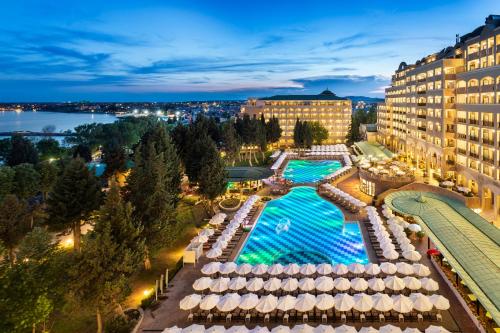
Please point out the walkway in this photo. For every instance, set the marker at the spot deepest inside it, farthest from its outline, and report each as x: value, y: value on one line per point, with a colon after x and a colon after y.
x: 469, y: 242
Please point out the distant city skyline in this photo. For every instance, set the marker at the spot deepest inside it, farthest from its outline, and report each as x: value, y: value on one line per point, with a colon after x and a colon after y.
x: 213, y: 50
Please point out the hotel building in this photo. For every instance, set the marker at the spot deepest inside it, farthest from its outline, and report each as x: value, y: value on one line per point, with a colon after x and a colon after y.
x: 331, y: 111
x: 443, y: 114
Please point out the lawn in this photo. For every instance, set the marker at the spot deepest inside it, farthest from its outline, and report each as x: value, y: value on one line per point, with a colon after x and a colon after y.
x: 190, y: 217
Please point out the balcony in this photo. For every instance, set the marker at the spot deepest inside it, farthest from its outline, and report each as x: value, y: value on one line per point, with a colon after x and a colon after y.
x: 473, y: 90
x: 449, y: 105
x: 490, y: 142
x: 461, y: 136
x: 489, y: 160
x: 421, y: 128
x: 461, y: 90
x: 488, y: 123
x: 462, y: 120
x: 474, y: 138
x: 474, y: 121
x: 474, y: 154
x: 421, y: 116
x: 421, y: 92
x: 462, y: 151
x: 421, y: 103
x: 421, y: 79
x: 488, y: 88
x: 450, y: 76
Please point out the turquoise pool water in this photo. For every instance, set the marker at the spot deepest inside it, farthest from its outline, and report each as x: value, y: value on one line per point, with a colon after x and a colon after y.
x: 302, y: 227
x: 305, y: 171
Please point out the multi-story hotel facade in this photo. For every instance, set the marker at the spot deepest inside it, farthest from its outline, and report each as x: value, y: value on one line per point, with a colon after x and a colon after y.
x: 331, y: 111
x: 443, y: 113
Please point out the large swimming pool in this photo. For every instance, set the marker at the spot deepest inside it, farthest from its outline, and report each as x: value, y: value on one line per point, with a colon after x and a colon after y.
x: 302, y: 227
x: 309, y: 171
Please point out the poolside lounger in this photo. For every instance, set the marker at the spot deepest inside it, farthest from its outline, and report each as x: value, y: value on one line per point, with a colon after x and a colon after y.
x: 229, y: 316
x: 381, y: 318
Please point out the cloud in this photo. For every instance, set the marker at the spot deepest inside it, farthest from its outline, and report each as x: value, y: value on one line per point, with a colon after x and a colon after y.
x: 269, y: 41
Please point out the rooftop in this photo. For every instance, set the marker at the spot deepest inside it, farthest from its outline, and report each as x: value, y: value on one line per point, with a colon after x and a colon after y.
x: 326, y: 95
x: 469, y: 242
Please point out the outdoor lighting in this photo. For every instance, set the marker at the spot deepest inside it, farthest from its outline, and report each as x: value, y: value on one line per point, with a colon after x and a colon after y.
x: 51, y: 160
x: 68, y: 243
x: 147, y: 292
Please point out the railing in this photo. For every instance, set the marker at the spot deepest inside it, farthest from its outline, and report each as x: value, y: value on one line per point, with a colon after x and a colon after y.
x: 462, y: 136
x: 421, y: 92
x: 473, y: 154
x: 421, y: 128
x: 490, y: 142
x: 462, y: 151
x: 474, y: 121
x: 489, y: 160
x: 421, y: 116
x: 474, y: 138
x: 462, y: 120
x: 421, y: 103
x: 488, y: 123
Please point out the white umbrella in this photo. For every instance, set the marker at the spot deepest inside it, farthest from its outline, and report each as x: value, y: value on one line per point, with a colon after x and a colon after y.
x: 291, y: 269
x: 402, y: 303
x: 227, y: 268
x: 228, y: 302
x: 436, y: 329
x: 368, y: 330
x: 173, y: 329
x: 429, y: 284
x: 275, y: 269
x: 390, y: 254
x: 404, y: 268
x: 382, y: 302
x: 324, y: 329
x: 340, y: 269
x: 290, y: 284
x: 211, y: 268
x: 302, y: 328
x: 356, y: 268
x: 343, y: 302
x: 412, y: 255
x: 388, y: 268
x: 214, y: 253
x: 219, y: 285
x: 267, y: 304
x: 345, y: 329
x: 237, y: 283
x: 220, y: 244
x: 342, y: 284
x: 248, y: 301
x: 412, y: 283
x: 209, y: 302
x: 207, y: 232
x: 244, y: 269
x: 255, y: 284
x: 389, y: 329
x: 362, y: 302
x: 286, y: 303
x: 411, y: 330
x: 237, y: 329
x: 202, y: 283
x: 260, y: 269
x: 324, y: 302
x: 414, y: 227
x: 440, y: 302
x: 306, y: 284
x: 324, y: 283
x: 194, y: 329
x: 376, y: 284
x: 259, y: 329
x: 372, y: 269
x: 359, y: 284
x: 421, y: 270
x: 190, y: 302
x: 324, y: 269
x: 272, y: 284
x: 305, y: 302
x: 281, y: 329
x: 216, y: 329
x: 200, y: 239
x: 394, y: 283
x: 307, y: 269
x: 421, y: 302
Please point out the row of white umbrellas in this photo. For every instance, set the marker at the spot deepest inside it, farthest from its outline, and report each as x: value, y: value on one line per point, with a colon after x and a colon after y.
x: 347, y: 160
x: 277, y: 164
x: 349, y: 198
x: 322, y: 284
x: 294, y: 269
x: 223, y: 240
x: 302, y: 328
x: 307, y: 302
x: 339, y: 172
x: 336, y: 148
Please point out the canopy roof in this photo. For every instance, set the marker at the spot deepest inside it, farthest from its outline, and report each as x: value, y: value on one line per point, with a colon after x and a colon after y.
x: 468, y: 241
x: 374, y: 149
x: 241, y: 174
x: 326, y: 95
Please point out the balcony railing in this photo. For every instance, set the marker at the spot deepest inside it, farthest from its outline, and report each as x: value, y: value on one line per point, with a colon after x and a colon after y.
x: 421, y: 103
x: 474, y: 155
x: 421, y: 92
x: 474, y: 138
x: 489, y: 160
x: 473, y: 121
x: 462, y: 151
x: 490, y: 142
x: 462, y: 120
x: 462, y: 136
x: 488, y: 123
x: 421, y: 116
x: 421, y: 128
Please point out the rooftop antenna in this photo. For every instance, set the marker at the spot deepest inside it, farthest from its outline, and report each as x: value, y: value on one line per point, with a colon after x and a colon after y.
x: 457, y: 38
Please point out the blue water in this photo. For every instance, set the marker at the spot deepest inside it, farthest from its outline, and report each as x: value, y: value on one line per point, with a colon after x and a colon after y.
x: 309, y: 171
x: 302, y: 227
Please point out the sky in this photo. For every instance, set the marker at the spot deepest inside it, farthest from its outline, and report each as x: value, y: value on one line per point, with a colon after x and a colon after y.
x: 177, y: 50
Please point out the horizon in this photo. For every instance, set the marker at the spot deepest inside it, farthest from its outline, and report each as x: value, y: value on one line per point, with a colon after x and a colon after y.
x: 217, y: 51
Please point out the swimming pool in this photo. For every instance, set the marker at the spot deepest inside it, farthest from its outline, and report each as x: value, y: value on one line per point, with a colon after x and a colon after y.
x: 302, y: 227
x: 309, y: 171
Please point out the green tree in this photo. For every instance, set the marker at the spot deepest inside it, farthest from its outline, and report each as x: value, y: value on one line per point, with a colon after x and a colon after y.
x: 75, y: 195
x: 48, y: 172
x: 6, y: 181
x: 49, y: 149
x: 110, y: 255
x: 5, y: 148
x: 154, y: 186
x: 298, y: 134
x: 22, y: 151
x: 14, y: 223
x: 274, y: 130
x: 320, y: 133
x: 261, y: 136
x: 114, y: 157
x: 212, y: 175
x: 231, y: 141
x: 83, y: 151
x: 26, y: 180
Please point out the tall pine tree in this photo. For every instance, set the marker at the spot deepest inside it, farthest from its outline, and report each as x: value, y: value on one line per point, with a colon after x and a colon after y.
x: 212, y: 175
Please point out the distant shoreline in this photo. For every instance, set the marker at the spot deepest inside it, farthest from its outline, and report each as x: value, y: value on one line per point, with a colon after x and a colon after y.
x: 114, y: 113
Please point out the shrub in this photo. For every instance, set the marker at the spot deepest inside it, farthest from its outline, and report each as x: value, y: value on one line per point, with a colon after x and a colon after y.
x: 230, y: 203
x: 148, y: 302
x: 119, y: 324
x: 266, y: 199
x: 420, y: 234
x: 408, y: 232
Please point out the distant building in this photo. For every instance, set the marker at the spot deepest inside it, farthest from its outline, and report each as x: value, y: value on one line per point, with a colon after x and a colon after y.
x: 443, y: 113
x: 368, y: 132
x: 331, y: 111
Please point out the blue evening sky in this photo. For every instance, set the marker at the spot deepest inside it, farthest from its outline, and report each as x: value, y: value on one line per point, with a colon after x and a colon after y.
x: 141, y: 50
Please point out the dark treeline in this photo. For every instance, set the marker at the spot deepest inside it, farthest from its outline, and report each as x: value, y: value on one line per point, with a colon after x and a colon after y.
x: 361, y: 117
x: 306, y: 133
